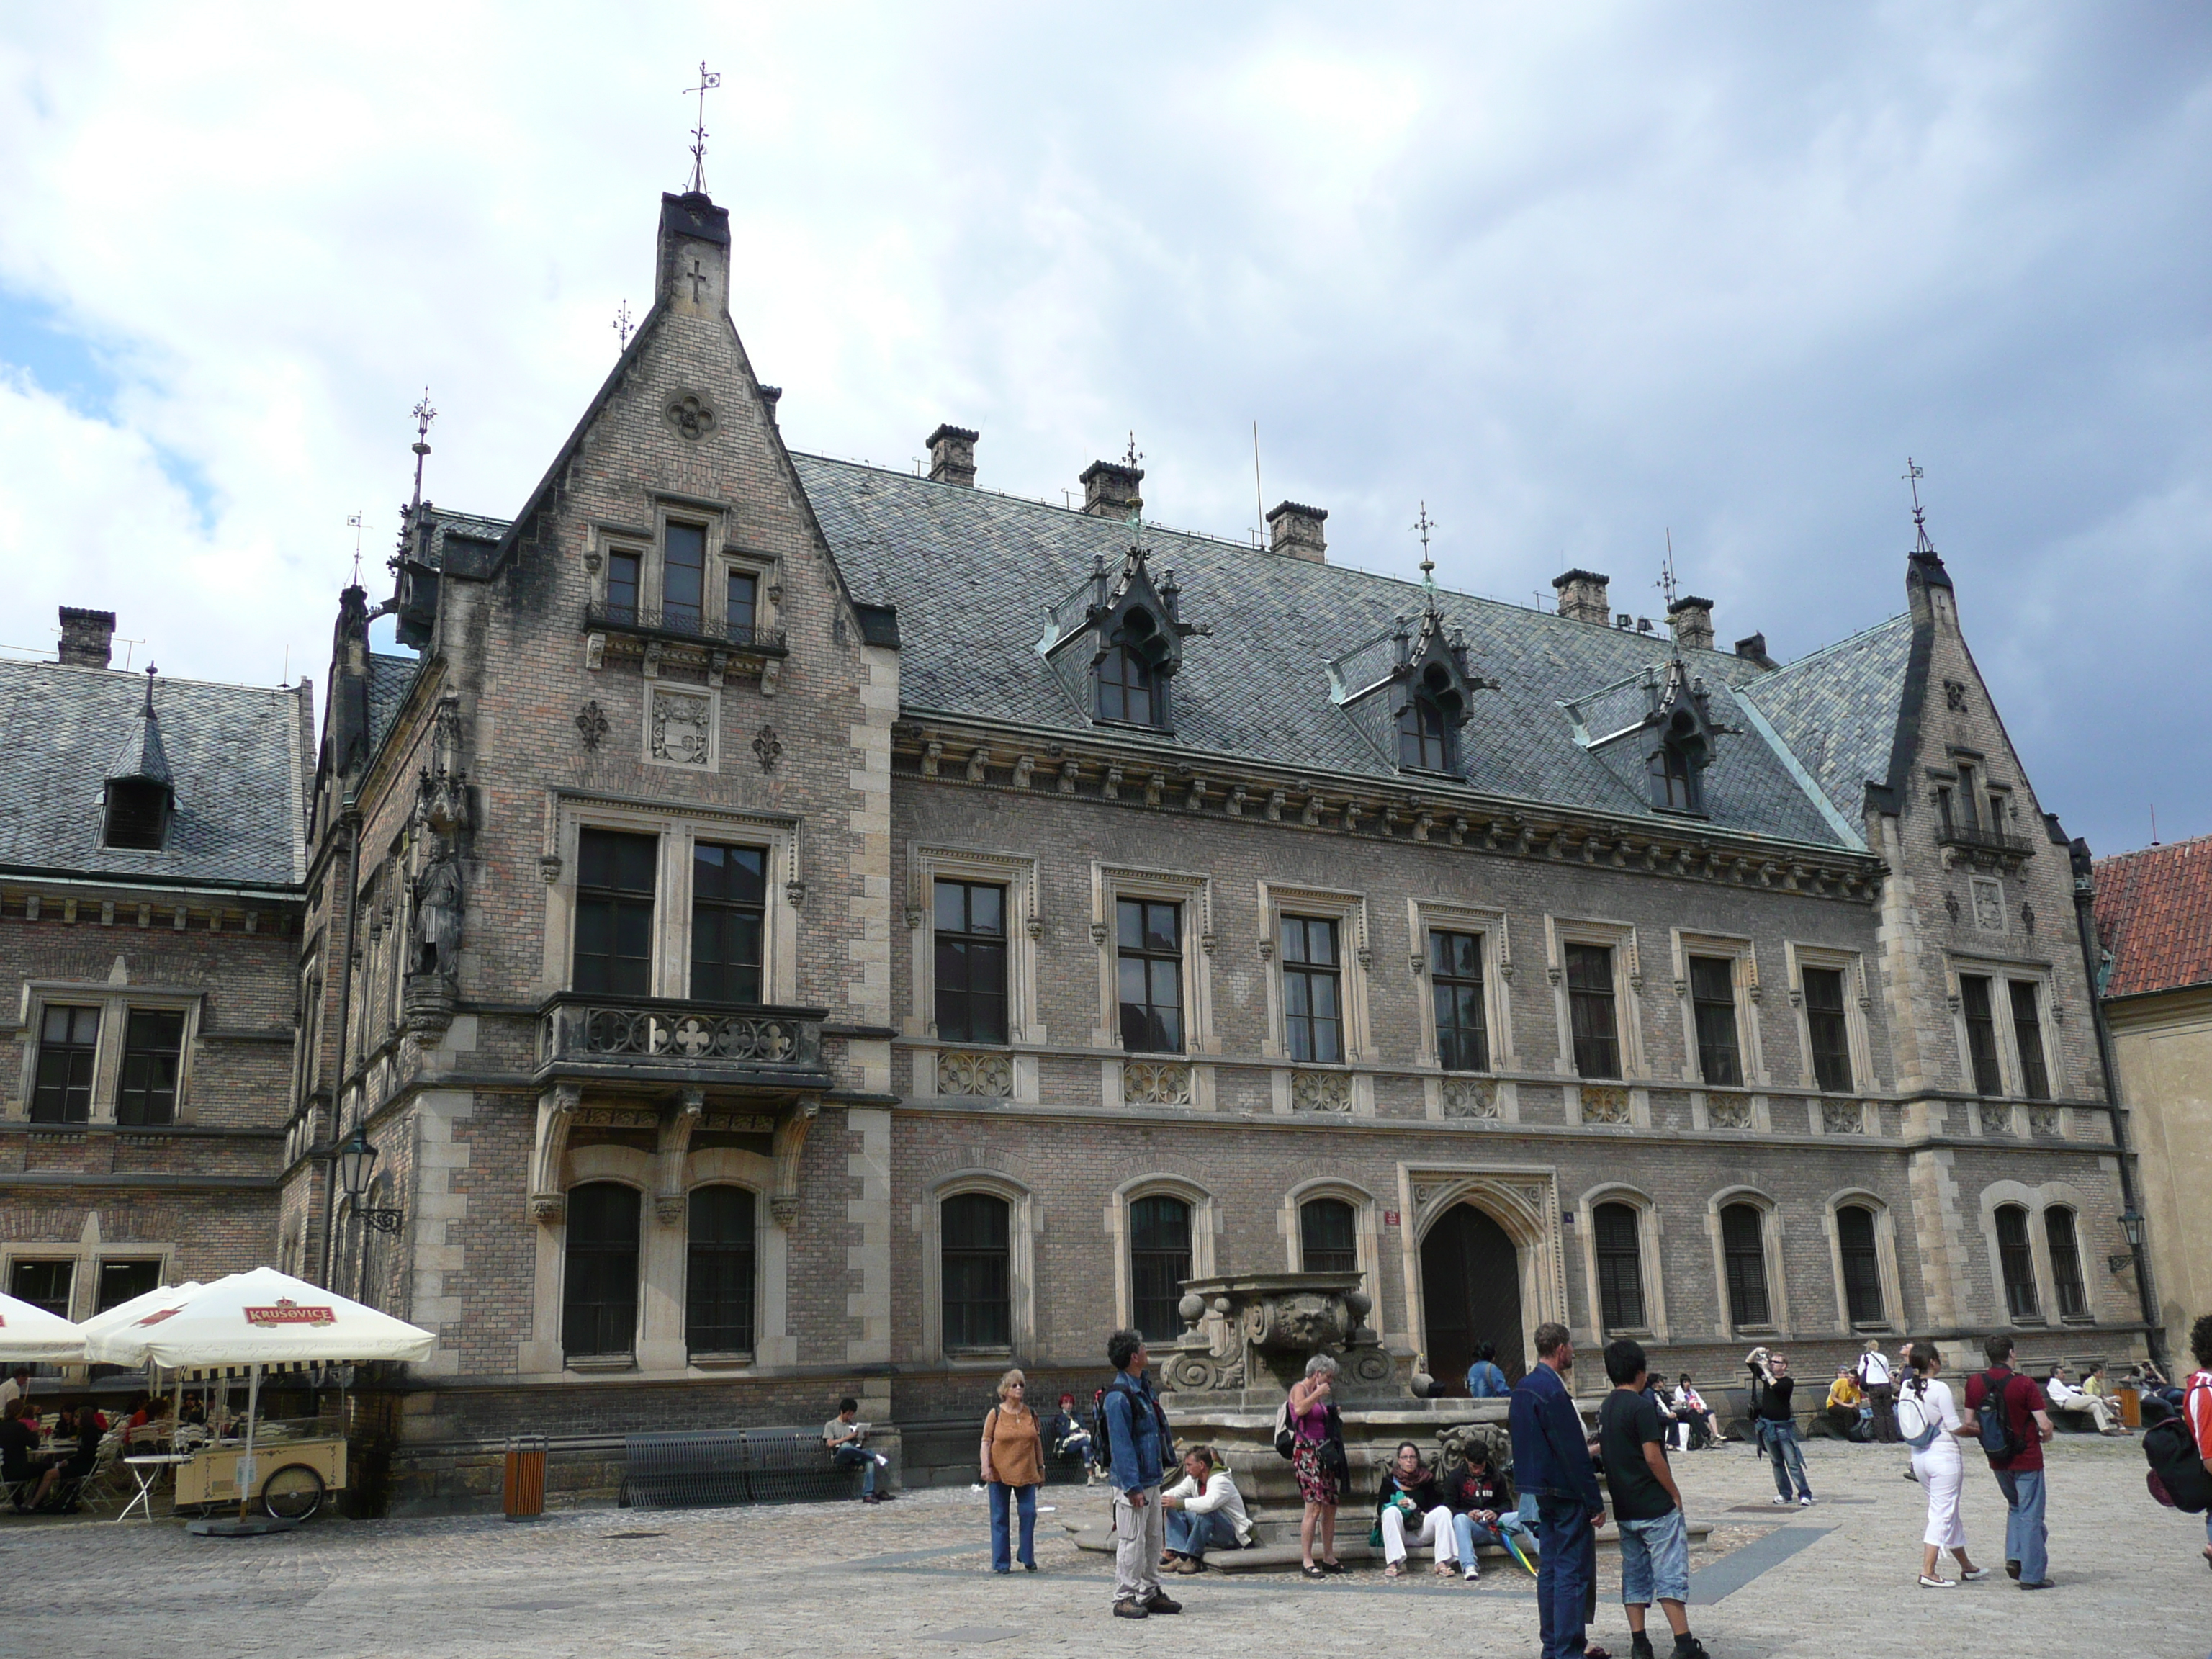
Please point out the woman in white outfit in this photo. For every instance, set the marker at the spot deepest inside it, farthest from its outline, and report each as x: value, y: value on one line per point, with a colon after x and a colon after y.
x: 1928, y: 1417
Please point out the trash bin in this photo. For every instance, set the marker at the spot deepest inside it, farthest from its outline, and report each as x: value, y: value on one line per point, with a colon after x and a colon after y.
x: 2131, y: 1404
x: 526, y: 1477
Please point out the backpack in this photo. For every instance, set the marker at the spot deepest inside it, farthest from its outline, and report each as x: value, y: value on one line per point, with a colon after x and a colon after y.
x: 2177, y: 1477
x: 1930, y: 1424
x: 1102, y: 1442
x: 1286, y: 1439
x: 1991, y: 1423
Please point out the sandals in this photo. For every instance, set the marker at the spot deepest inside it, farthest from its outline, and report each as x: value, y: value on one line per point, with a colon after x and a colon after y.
x: 1328, y: 1565
x: 1394, y: 1570
x: 1311, y: 1570
x: 1446, y: 1569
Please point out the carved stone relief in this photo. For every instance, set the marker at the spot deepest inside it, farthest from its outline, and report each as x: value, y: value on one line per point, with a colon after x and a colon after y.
x: 680, y: 727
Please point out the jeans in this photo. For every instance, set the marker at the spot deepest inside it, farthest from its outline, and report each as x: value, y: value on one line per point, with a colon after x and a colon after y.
x: 2026, y: 1542
x: 1655, y: 1560
x: 1026, y: 1501
x: 1566, y: 1578
x: 1781, y: 1442
x: 1193, y: 1534
x: 1470, y: 1534
x: 846, y: 1457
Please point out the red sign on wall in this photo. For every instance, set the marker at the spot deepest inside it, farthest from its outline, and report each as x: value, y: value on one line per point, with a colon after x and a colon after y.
x: 1389, y: 1217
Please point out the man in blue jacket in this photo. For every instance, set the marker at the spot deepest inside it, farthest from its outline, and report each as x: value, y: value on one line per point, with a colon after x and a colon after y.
x: 1138, y: 1440
x: 1551, y: 1459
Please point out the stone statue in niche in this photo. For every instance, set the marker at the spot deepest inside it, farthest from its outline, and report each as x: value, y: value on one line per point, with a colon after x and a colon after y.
x: 437, y: 909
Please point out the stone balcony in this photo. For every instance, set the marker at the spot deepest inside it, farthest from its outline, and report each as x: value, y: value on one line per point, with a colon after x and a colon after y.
x: 656, y: 1040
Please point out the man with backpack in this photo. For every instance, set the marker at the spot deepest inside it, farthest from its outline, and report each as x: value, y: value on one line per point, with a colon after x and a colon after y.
x: 1877, y: 1384
x: 2180, y: 1447
x: 1134, y: 1439
x: 2012, y: 1423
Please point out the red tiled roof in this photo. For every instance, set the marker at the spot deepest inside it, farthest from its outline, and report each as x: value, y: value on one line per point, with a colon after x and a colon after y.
x: 2155, y: 915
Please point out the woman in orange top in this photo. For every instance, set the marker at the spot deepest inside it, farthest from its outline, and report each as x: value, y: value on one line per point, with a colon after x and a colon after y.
x: 1013, y: 1462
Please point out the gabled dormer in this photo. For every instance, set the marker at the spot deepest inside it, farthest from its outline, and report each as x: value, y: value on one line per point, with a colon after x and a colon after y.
x: 1117, y: 642
x: 1659, y: 726
x: 141, y: 794
x: 1411, y: 692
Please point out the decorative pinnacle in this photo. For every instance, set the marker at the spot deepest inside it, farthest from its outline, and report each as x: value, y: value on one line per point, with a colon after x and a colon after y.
x: 708, y: 82
x: 624, y: 327
x: 354, y: 519
x: 423, y: 416
x: 1666, y: 583
x: 1424, y: 523
x: 1913, y: 475
x: 1134, y: 454
x: 149, y: 692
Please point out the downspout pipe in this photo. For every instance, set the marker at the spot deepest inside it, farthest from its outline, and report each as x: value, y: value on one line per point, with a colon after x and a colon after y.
x: 2085, y: 919
x: 349, y: 826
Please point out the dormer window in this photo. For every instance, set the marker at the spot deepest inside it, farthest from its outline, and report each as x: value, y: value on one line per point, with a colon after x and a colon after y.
x: 1131, y: 642
x: 1676, y: 765
x: 1429, y: 721
x: 1129, y: 686
x: 137, y: 815
x: 1410, y: 693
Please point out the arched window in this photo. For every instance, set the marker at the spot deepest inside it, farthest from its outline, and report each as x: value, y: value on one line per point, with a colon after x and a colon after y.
x: 1328, y: 1237
x: 1619, y: 1266
x: 977, y: 1274
x: 1159, y: 1261
x: 718, y: 1279
x: 1129, y: 683
x: 599, y: 1309
x: 2065, y: 1262
x: 1424, y: 735
x: 1855, y: 1237
x: 2017, y: 1263
x: 1743, y: 1245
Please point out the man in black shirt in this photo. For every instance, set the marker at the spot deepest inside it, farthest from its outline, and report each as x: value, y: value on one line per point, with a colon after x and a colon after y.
x: 1654, y: 1538
x: 1773, y: 1419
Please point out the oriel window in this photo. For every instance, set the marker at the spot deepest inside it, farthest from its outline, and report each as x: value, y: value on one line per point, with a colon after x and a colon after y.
x: 1328, y: 1240
x: 1590, y: 1010
x: 683, y: 577
x: 1456, y: 987
x: 1712, y: 1006
x: 1830, y: 1030
x: 1981, y: 1034
x: 971, y: 961
x: 729, y: 906
x: 741, y: 612
x: 622, y: 586
x: 1619, y: 1266
x: 2028, y: 1032
x: 68, y: 1039
x: 1148, y: 943
x: 1160, y: 1261
x: 1743, y: 1247
x: 2017, y: 1263
x: 599, y: 1302
x: 1313, y: 1015
x: 718, y: 1279
x: 1424, y: 736
x: 977, y: 1272
x: 153, y: 1046
x: 1862, y: 1264
x: 614, y: 912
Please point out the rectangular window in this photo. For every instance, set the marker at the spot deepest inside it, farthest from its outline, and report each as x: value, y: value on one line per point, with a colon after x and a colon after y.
x: 1590, y: 1010
x: 2065, y: 1263
x: 717, y: 1278
x: 1619, y: 1268
x: 683, y: 577
x: 978, y: 1273
x: 622, y: 586
x: 1328, y: 1237
x: 68, y: 1040
x: 1830, y: 1030
x: 1744, y: 1246
x: 1969, y: 817
x: 2027, y: 1030
x: 729, y: 904
x: 599, y: 1300
x: 1148, y: 943
x: 1159, y: 1263
x: 119, y: 1281
x: 1981, y: 1034
x: 1455, y: 983
x: 1313, y: 1009
x: 44, y: 1284
x: 2017, y: 1264
x: 1862, y: 1264
x: 153, y: 1046
x: 1712, y: 1005
x: 741, y: 604
x: 971, y: 961
x: 614, y: 912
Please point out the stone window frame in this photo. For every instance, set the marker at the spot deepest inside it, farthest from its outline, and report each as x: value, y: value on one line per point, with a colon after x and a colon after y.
x: 724, y: 552
x: 1779, y: 1324
x: 664, y: 1251
x: 115, y: 1003
x: 1112, y: 883
x: 1885, y: 1249
x: 1367, y: 1229
x: 676, y: 827
x: 1561, y: 931
x: 1651, y: 1232
x: 1743, y: 980
x: 1017, y: 873
x: 1799, y: 955
x: 2000, y: 971
x: 2050, y: 1194
x: 1205, y: 1228
x: 1423, y: 916
x: 1355, y: 957
x: 1025, y: 1220
x: 90, y: 1250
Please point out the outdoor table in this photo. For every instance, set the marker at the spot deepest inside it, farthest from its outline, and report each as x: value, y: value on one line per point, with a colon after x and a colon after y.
x: 146, y: 1470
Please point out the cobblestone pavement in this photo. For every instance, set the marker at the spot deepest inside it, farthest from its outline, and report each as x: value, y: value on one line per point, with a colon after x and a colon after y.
x: 911, y: 1577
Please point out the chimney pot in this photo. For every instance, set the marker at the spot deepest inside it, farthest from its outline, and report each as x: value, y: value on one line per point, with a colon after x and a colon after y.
x: 1753, y: 648
x: 1583, y: 597
x: 88, y: 637
x: 1692, y: 618
x: 1295, y: 529
x: 952, y: 455
x: 1110, y: 489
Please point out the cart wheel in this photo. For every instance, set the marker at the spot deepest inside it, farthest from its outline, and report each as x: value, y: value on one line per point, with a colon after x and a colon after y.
x: 293, y: 1493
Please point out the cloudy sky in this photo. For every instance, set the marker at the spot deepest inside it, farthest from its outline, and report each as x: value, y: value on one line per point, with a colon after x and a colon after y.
x: 1576, y: 276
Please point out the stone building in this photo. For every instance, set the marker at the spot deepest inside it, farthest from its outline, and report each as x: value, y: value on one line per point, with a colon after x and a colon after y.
x: 152, y: 846
x: 2154, y: 909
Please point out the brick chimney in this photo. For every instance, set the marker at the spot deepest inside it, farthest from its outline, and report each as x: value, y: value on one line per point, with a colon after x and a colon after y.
x: 1693, y: 622
x: 1110, y: 489
x: 1295, y: 529
x: 88, y: 637
x: 952, y: 455
x: 1582, y: 597
x: 1753, y: 648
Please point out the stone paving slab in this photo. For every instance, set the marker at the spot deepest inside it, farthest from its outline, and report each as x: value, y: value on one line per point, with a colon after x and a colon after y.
x: 912, y: 1576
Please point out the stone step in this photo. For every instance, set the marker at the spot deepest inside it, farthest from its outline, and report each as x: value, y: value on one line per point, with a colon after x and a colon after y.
x: 1274, y: 1553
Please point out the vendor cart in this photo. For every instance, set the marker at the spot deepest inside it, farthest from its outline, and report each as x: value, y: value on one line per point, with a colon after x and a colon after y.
x: 289, y: 1476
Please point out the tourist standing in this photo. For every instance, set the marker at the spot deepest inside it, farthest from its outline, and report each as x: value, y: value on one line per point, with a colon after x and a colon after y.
x: 1774, y: 1422
x: 1928, y: 1417
x: 1205, y: 1511
x: 1137, y: 1438
x: 2196, y: 1406
x: 1485, y: 1381
x: 845, y: 1438
x: 1317, y: 1458
x: 1551, y: 1462
x: 1013, y: 1466
x: 2011, y: 1435
x: 1654, y: 1534
x: 1877, y: 1382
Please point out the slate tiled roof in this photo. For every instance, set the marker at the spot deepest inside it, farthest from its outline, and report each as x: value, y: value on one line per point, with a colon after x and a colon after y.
x: 2154, y: 916
x: 445, y: 525
x: 972, y: 574
x: 232, y: 752
x: 1837, y: 710
x: 389, y: 677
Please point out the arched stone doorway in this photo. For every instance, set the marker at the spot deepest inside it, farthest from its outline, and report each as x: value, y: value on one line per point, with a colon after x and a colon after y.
x: 1470, y: 1294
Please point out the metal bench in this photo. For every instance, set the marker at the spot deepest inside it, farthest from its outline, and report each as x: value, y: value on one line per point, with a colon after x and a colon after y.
x: 699, y: 1467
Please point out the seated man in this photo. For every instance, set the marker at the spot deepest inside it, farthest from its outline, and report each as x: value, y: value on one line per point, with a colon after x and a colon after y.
x: 1485, y: 1381
x: 2066, y: 1397
x: 1484, y: 1511
x: 1408, y: 1498
x: 17, y: 1439
x: 843, y: 1437
x: 1842, y: 1407
x: 1204, y: 1511
x: 1069, y: 1440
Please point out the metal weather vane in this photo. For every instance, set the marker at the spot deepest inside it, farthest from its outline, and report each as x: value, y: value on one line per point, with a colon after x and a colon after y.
x: 623, y: 326
x: 708, y: 82
x: 1913, y: 475
x: 1424, y: 524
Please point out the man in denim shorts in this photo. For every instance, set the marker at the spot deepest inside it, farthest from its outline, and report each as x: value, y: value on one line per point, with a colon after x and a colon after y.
x: 1654, y: 1538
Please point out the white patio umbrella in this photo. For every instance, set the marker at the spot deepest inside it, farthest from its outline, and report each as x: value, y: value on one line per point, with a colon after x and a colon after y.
x: 258, y: 1319
x: 125, y: 1314
x: 30, y: 1333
